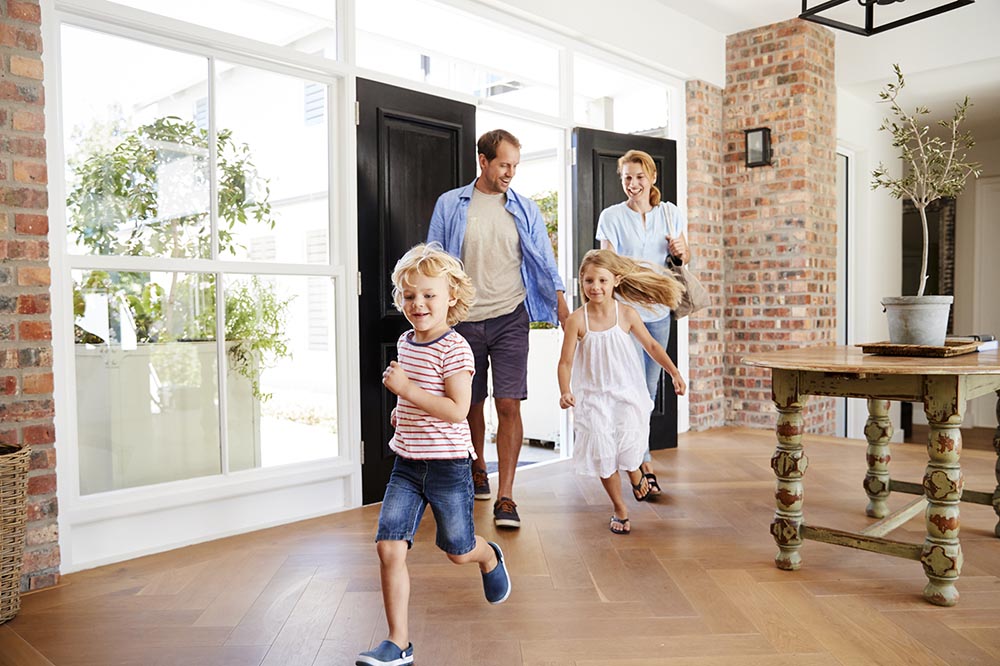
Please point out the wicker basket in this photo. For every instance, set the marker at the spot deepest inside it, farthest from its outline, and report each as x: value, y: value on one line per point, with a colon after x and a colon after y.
x: 13, y: 493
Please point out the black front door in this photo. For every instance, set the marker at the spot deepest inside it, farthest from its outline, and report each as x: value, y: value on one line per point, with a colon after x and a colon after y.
x: 596, y: 186
x: 411, y: 148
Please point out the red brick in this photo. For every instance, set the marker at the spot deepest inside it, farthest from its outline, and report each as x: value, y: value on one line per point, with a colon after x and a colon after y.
x: 8, y: 385
x: 35, y: 330
x: 44, y: 484
x: 33, y: 304
x: 36, y: 225
x: 42, y: 457
x: 36, y: 383
x: 29, y: 121
x: 29, y: 68
x: 30, y: 172
x: 28, y: 276
x: 24, y: 11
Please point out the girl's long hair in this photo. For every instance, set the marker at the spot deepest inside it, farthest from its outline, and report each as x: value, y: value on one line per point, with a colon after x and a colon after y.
x: 641, y: 281
x: 649, y: 166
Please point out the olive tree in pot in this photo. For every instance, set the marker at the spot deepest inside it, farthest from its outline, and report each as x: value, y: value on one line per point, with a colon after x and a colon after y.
x: 933, y: 167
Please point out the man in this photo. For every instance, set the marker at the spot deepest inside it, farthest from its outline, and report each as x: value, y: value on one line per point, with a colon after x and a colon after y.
x: 501, y: 238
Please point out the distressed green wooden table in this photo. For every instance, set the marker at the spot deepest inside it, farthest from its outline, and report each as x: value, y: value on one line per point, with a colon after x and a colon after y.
x: 943, y: 385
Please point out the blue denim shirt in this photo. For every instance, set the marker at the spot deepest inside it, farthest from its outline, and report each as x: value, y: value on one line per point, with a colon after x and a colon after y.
x: 538, y: 263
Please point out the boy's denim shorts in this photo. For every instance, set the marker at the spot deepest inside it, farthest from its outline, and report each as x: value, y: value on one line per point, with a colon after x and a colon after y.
x: 444, y: 484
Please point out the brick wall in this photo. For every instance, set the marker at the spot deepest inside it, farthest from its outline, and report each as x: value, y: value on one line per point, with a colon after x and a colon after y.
x: 26, y: 401
x: 705, y: 233
x: 765, y: 238
x: 779, y: 220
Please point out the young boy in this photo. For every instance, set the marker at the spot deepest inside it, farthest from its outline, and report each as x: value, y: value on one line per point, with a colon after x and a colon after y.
x: 433, y: 382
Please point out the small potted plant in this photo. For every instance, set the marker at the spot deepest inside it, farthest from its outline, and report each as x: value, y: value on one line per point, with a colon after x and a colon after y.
x: 933, y: 167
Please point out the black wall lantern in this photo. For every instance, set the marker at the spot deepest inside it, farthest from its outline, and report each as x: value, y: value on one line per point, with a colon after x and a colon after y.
x: 815, y: 14
x: 757, y: 142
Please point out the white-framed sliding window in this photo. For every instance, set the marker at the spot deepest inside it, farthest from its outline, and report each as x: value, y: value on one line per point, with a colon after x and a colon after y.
x: 197, y: 254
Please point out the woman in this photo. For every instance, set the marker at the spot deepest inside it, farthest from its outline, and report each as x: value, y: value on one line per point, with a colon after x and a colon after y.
x: 645, y: 228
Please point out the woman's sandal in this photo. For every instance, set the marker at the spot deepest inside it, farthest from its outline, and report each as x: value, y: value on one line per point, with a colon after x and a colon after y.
x: 654, y: 487
x: 624, y: 528
x: 638, y: 492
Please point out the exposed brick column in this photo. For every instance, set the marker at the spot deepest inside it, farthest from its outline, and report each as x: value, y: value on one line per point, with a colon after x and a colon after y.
x: 26, y: 400
x: 780, y: 220
x: 706, y: 236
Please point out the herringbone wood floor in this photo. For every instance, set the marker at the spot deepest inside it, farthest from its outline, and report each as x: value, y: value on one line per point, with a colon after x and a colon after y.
x: 693, y: 584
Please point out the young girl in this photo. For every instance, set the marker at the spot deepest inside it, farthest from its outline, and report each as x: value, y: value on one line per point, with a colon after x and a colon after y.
x: 611, y: 424
x: 433, y: 382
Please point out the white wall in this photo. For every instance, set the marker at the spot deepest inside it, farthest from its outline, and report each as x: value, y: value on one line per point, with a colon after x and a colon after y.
x: 647, y: 29
x: 987, y: 154
x: 874, y: 250
x: 975, y: 311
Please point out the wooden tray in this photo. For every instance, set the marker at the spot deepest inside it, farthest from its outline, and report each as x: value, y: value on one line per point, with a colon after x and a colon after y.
x: 952, y: 347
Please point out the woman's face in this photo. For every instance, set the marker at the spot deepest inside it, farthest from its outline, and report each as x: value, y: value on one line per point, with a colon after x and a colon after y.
x: 636, y: 183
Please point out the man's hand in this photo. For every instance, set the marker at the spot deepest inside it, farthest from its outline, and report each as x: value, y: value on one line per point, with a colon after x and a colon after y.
x: 562, y: 310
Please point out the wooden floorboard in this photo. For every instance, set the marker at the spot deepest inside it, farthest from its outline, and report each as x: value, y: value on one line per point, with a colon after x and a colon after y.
x: 693, y: 585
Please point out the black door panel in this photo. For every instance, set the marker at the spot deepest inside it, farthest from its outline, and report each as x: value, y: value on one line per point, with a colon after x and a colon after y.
x: 412, y: 147
x: 596, y: 186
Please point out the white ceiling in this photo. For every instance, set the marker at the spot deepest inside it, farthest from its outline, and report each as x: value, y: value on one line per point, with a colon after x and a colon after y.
x: 944, y: 57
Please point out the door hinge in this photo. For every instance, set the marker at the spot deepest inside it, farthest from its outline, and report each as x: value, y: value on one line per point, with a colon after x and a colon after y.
x: 357, y: 112
x: 359, y: 283
x: 362, y: 452
x: 572, y: 156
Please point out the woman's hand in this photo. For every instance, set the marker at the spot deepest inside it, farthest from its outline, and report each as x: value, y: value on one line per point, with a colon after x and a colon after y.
x: 678, y: 247
x: 566, y: 400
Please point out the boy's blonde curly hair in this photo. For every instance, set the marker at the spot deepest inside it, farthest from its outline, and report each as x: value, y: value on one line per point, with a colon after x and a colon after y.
x: 430, y: 259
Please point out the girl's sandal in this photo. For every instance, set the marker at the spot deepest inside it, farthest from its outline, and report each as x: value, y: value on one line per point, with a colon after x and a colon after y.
x: 654, y: 487
x: 641, y: 490
x: 623, y: 526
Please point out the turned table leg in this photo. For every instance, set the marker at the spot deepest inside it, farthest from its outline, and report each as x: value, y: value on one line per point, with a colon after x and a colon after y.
x: 996, y: 447
x: 942, y: 553
x: 878, y: 431
x: 789, y: 464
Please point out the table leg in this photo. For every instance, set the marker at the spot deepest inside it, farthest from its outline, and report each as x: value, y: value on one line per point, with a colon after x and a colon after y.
x: 996, y: 447
x: 878, y: 431
x: 943, y: 481
x: 789, y: 464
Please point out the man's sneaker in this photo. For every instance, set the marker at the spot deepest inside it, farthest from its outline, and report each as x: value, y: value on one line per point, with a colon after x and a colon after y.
x: 386, y: 654
x: 496, y: 584
x: 481, y: 484
x: 505, y: 513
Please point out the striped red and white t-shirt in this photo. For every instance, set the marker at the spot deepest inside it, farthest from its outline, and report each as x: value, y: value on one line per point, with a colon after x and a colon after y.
x: 420, y: 436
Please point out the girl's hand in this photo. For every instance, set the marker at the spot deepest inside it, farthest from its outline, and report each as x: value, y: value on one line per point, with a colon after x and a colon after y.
x: 395, y: 379
x: 566, y: 400
x: 679, y: 386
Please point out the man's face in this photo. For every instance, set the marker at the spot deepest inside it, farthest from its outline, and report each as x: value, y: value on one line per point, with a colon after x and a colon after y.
x: 497, y: 173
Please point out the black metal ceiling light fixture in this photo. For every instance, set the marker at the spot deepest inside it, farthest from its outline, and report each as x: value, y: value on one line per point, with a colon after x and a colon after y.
x: 815, y: 14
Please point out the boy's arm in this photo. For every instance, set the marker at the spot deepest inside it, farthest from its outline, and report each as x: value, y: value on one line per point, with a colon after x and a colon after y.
x: 654, y: 348
x: 452, y: 407
x: 565, y: 368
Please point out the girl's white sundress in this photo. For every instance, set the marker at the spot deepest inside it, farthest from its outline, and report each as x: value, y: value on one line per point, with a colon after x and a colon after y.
x: 611, y: 417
